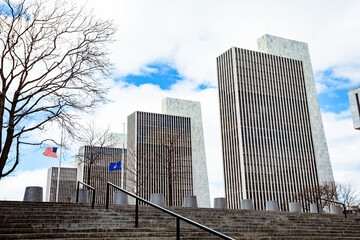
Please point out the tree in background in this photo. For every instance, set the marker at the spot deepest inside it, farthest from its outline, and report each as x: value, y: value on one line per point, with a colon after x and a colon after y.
x: 170, y: 155
x: 93, y: 141
x: 52, y: 57
x: 99, y: 149
x: 348, y: 196
x: 337, y: 192
x: 132, y: 180
x: 163, y: 164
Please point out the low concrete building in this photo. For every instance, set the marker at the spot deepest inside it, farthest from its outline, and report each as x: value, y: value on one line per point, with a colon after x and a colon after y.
x: 66, y: 186
x: 99, y: 172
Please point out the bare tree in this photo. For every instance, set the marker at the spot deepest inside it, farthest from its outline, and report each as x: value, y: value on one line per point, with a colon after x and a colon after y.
x: 98, y: 151
x: 93, y: 141
x: 347, y: 195
x: 172, y: 151
x: 52, y: 57
x: 132, y: 180
x: 332, y: 191
x: 163, y: 163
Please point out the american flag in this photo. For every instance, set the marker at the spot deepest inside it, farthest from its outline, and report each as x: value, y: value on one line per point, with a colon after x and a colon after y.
x: 50, y: 152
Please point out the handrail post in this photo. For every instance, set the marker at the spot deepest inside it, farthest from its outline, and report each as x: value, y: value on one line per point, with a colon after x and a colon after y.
x: 177, y: 228
x: 107, y: 195
x: 317, y: 204
x: 137, y: 213
x: 77, y: 192
x: 93, y: 200
x: 332, y: 201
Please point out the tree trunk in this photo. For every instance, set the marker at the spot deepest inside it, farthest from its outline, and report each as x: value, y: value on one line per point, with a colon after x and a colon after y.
x: 2, y: 109
x: 89, y: 175
x: 9, y: 137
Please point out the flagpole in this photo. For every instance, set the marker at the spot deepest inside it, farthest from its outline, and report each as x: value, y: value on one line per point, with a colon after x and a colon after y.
x: 58, y: 176
x: 122, y: 158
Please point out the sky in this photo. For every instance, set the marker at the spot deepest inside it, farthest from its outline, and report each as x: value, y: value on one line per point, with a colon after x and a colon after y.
x: 169, y: 48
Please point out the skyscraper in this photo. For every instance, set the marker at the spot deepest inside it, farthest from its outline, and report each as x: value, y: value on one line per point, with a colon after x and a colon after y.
x: 272, y: 134
x: 192, y: 109
x: 159, y: 156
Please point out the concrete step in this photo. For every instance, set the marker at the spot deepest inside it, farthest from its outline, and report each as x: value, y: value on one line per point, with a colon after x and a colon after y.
x: 19, y: 220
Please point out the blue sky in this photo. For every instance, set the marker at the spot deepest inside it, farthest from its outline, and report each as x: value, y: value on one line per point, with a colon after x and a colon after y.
x: 169, y: 49
x: 158, y: 74
x: 335, y: 98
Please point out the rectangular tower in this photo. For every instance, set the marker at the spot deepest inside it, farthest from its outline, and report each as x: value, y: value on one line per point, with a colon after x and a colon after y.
x: 67, y: 184
x: 159, y: 156
x: 300, y: 51
x: 268, y: 137
x: 99, y: 171
x: 192, y: 109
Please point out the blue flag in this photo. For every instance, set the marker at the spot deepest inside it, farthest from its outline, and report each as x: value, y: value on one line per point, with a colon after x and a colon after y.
x: 115, y: 166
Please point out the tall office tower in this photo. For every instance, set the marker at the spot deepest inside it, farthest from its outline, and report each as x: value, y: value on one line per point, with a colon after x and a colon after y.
x: 272, y: 134
x: 354, y: 100
x: 99, y: 172
x: 160, y: 156
x: 300, y: 51
x: 67, y: 184
x: 192, y: 109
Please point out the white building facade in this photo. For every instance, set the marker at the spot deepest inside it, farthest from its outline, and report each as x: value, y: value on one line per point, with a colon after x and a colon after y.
x: 300, y: 51
x: 273, y: 139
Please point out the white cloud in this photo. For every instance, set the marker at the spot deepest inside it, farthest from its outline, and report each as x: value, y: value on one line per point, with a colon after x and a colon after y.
x: 343, y: 143
x: 339, y: 77
x: 349, y: 178
x: 13, y: 187
x: 191, y: 34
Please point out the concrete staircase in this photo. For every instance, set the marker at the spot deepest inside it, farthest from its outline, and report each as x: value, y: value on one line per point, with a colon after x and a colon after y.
x: 29, y: 220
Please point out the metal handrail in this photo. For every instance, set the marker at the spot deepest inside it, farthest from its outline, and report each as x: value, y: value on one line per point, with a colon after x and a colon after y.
x: 90, y: 187
x: 329, y: 200
x: 178, y: 217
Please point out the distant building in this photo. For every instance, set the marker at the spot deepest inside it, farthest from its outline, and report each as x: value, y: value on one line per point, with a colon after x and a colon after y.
x: 66, y: 187
x: 354, y: 100
x: 272, y: 134
x: 118, y: 140
x: 192, y: 109
x: 99, y: 173
x: 159, y: 156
